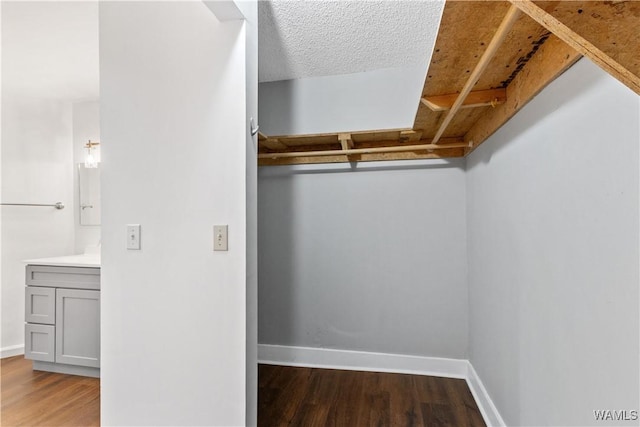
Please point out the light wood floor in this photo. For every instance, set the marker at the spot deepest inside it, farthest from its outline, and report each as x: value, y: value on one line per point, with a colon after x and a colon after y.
x: 287, y: 397
x: 35, y: 398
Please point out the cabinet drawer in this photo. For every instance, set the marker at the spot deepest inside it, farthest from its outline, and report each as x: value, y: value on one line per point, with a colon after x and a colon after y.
x: 78, y: 327
x: 39, y: 342
x: 40, y: 305
x: 63, y: 277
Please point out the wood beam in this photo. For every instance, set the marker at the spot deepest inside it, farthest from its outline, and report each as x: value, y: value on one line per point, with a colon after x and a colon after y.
x: 476, y: 98
x: 345, y: 141
x: 396, y: 149
x: 272, y: 144
x: 373, y: 157
x: 410, y: 135
x: 501, y: 33
x: 551, y: 60
x: 335, y: 134
x: 579, y: 43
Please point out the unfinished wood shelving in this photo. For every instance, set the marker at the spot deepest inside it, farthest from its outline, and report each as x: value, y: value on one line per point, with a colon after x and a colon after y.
x: 477, y: 80
x: 478, y: 98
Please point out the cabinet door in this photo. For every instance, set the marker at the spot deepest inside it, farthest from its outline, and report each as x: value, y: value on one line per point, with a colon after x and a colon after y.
x: 39, y: 342
x: 78, y: 327
x: 40, y: 305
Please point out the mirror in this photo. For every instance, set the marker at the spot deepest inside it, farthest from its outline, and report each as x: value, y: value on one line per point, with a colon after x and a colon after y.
x: 89, y: 180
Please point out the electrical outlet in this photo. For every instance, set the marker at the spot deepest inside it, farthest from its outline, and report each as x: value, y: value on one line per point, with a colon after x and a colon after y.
x: 220, y: 237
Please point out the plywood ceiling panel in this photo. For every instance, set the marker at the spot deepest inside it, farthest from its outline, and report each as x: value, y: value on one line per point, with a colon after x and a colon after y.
x: 527, y: 59
x: 613, y: 26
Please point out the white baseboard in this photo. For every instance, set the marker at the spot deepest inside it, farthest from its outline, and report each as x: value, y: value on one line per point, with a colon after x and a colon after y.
x: 384, y: 362
x: 361, y: 361
x: 13, y: 350
x: 483, y: 400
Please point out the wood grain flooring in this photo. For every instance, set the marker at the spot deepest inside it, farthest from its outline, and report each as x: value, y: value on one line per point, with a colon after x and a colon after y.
x: 36, y: 398
x: 289, y: 396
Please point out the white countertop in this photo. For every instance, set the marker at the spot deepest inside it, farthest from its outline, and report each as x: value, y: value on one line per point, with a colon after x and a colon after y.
x: 83, y: 260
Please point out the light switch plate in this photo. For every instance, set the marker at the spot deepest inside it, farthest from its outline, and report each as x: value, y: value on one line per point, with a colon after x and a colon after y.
x: 133, y: 237
x: 220, y: 237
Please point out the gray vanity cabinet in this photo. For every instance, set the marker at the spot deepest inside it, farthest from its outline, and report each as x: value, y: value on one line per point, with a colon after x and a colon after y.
x: 62, y: 314
x: 39, y: 342
x: 78, y: 327
x: 40, y: 305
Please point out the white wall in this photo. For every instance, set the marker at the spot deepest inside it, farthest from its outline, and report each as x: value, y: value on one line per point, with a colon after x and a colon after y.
x: 49, y: 59
x: 553, y: 254
x: 86, y: 126
x: 379, y: 99
x: 37, y: 167
x: 250, y: 11
x: 1, y: 253
x: 370, y: 259
x: 173, y: 107
x: 50, y: 49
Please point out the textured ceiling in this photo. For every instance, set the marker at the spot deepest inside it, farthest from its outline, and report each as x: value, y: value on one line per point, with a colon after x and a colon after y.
x: 301, y: 39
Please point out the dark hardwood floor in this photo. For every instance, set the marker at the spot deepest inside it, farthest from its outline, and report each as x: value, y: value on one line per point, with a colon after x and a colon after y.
x: 323, y: 397
x: 35, y: 398
x: 286, y: 397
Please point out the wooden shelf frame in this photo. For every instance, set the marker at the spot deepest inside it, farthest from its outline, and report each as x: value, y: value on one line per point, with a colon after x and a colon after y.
x: 352, y: 151
x: 522, y: 45
x: 475, y: 99
x: 501, y: 33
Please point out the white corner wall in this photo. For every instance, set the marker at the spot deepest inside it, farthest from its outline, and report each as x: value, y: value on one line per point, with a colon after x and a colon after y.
x: 249, y: 10
x: 173, y: 107
x: 37, y: 167
x: 37, y: 138
x: 370, y: 259
x: 553, y: 254
x: 378, y: 99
